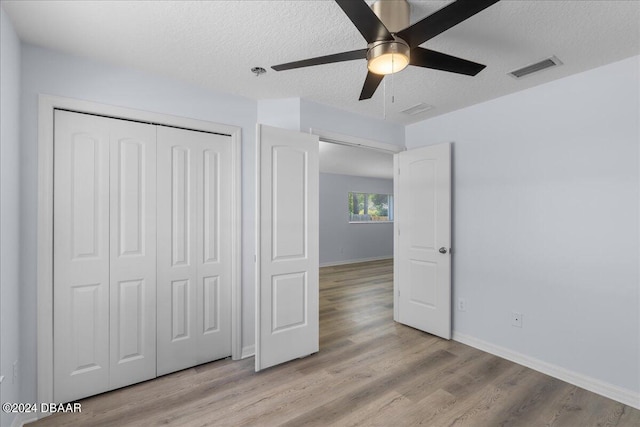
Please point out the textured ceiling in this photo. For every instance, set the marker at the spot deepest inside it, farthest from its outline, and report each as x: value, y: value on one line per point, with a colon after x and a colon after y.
x: 215, y: 43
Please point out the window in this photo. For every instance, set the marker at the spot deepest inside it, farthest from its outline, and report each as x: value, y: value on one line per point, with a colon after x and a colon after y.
x: 370, y: 207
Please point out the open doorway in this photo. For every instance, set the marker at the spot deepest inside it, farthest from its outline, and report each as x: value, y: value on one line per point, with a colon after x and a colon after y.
x: 356, y: 204
x: 356, y: 242
x: 288, y: 229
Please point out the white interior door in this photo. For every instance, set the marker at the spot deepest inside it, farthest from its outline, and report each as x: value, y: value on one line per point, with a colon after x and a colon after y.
x: 287, y: 270
x: 194, y: 260
x: 81, y: 256
x: 423, y: 238
x: 132, y: 267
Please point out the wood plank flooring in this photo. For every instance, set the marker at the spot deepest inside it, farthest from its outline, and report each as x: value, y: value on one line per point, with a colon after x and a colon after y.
x: 370, y: 371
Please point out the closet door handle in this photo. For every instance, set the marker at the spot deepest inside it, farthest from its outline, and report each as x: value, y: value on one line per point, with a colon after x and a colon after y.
x: 443, y: 250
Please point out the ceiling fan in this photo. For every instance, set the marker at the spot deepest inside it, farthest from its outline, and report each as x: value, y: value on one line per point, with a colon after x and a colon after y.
x: 393, y: 44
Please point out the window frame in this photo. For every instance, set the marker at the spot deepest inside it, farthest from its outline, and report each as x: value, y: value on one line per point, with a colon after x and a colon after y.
x: 390, y: 208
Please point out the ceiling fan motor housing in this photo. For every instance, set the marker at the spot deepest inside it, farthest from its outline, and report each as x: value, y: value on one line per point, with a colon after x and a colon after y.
x: 394, y: 14
x: 390, y: 56
x: 397, y: 50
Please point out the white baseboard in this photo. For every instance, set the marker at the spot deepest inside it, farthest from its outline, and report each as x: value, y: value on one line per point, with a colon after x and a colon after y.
x: 21, y: 419
x: 622, y: 395
x: 354, y: 261
x: 248, y: 351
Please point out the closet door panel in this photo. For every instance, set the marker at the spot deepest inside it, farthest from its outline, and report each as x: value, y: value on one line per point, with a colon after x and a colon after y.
x: 81, y: 256
x: 177, y: 273
x: 194, y: 250
x: 133, y: 253
x: 214, y: 247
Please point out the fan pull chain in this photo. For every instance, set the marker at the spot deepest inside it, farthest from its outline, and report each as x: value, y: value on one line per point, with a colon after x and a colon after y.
x: 384, y: 99
x: 393, y: 68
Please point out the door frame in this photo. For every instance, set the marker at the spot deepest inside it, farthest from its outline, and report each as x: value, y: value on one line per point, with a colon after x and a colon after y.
x: 46, y: 106
x: 393, y: 150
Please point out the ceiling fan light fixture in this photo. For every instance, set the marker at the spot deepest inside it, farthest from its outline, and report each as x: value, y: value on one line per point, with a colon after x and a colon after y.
x: 388, y: 57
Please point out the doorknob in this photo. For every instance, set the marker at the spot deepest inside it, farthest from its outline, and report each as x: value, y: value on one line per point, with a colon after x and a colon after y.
x: 443, y: 250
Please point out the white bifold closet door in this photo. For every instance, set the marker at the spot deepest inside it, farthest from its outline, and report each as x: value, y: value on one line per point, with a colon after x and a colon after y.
x: 194, y: 213
x: 140, y: 288
x: 104, y: 254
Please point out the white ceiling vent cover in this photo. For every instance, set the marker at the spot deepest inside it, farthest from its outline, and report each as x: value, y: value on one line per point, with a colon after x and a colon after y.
x: 417, y: 109
x: 534, y: 68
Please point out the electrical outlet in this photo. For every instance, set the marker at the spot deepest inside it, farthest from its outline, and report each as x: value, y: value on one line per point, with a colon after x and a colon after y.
x: 15, y: 372
x: 516, y: 319
x: 462, y: 304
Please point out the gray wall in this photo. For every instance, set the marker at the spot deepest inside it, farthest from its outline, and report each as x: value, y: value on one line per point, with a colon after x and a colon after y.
x: 341, y: 242
x: 546, y: 219
x: 9, y: 212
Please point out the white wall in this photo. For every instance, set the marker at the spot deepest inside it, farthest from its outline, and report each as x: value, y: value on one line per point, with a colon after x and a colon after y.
x: 323, y: 117
x: 340, y: 241
x: 49, y: 72
x: 546, y: 213
x: 303, y: 115
x: 10, y: 331
x: 280, y: 113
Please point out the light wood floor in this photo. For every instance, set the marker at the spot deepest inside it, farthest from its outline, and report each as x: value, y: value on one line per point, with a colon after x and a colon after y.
x: 369, y: 371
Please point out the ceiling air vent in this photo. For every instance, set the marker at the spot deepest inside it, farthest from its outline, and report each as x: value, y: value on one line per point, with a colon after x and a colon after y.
x: 417, y: 109
x: 534, y: 68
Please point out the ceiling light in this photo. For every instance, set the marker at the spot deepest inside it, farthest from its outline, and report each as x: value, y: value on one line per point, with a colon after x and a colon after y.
x: 388, y: 57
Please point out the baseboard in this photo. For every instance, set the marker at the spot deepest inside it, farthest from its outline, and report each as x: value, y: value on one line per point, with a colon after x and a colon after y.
x: 248, y: 351
x: 355, y: 261
x: 21, y: 419
x: 622, y: 395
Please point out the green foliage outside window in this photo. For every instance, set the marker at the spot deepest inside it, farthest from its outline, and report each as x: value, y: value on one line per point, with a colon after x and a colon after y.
x: 373, y: 207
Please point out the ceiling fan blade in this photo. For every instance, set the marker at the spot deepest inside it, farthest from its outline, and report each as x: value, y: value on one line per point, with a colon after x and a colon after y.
x: 367, y: 22
x: 441, y: 61
x: 371, y: 83
x: 328, y: 59
x: 440, y: 21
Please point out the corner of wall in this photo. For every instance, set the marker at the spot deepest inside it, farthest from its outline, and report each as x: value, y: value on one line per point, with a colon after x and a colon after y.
x: 282, y: 113
x: 10, y: 240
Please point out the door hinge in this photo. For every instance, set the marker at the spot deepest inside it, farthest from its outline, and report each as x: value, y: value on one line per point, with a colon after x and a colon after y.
x: 398, y: 292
